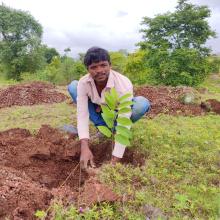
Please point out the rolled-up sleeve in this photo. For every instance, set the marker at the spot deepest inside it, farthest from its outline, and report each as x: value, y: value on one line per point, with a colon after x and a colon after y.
x: 119, y: 149
x: 82, y: 111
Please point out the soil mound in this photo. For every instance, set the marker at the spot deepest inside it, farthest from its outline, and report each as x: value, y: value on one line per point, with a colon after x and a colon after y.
x: 166, y: 100
x: 211, y: 105
x: 35, y: 169
x: 30, y: 94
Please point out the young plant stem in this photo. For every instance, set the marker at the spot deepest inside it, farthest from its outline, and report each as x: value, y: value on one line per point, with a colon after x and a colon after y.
x: 113, y: 135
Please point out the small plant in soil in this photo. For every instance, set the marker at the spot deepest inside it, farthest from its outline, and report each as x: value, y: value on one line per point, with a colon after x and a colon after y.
x: 114, y: 114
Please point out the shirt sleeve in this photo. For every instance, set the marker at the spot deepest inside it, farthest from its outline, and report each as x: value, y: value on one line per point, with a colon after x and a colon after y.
x: 82, y: 111
x: 119, y: 149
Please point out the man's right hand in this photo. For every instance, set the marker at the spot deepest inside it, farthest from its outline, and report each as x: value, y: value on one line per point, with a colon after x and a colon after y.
x: 86, y: 155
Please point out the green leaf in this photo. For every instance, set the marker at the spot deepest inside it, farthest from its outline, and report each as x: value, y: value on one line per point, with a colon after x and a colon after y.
x: 104, y: 130
x: 122, y: 139
x: 123, y: 131
x: 124, y: 110
x: 124, y: 121
x: 108, y: 121
x: 110, y: 101
x: 40, y: 214
x: 108, y: 113
x: 114, y: 94
x: 124, y: 97
x: 125, y: 104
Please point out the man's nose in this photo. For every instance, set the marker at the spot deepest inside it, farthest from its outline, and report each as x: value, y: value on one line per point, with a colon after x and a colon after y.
x: 99, y: 69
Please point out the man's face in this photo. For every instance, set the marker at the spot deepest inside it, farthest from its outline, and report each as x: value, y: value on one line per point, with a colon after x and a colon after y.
x: 100, y: 71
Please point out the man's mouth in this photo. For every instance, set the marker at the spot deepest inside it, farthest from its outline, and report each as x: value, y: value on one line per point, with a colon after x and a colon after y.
x: 100, y: 76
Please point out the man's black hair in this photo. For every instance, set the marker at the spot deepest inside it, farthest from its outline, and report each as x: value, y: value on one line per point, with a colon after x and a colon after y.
x: 95, y: 55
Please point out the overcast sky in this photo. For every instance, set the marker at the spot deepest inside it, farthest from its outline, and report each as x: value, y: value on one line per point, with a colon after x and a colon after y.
x: 112, y: 24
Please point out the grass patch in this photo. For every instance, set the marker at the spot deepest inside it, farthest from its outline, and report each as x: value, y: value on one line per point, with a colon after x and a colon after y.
x: 32, y: 117
x: 181, y: 176
x: 5, y: 83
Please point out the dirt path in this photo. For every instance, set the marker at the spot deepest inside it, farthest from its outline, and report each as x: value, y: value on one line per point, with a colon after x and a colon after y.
x: 33, y: 167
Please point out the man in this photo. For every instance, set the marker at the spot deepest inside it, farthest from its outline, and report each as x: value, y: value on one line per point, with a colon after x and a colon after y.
x: 89, y: 92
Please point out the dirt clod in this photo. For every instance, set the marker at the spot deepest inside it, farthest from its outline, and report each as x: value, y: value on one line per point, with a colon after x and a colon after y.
x: 94, y: 191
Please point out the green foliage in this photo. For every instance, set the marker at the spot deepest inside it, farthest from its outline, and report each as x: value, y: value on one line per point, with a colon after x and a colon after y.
x: 40, y: 214
x: 137, y: 68
x: 186, y: 27
x: 20, y: 48
x: 118, y: 61
x: 59, y: 71
x: 50, y: 53
x: 174, y: 39
x: 58, y: 212
x: 214, y: 64
x: 180, y: 67
x: 112, y: 114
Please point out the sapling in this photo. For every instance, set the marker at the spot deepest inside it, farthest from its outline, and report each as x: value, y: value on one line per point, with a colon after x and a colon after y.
x: 112, y: 112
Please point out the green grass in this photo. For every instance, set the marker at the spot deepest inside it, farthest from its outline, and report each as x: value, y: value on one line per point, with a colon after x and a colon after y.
x: 181, y: 175
x: 5, y: 83
x: 32, y: 117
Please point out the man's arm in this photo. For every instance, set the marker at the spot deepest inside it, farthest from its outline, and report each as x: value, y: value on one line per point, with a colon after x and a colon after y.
x: 83, y: 125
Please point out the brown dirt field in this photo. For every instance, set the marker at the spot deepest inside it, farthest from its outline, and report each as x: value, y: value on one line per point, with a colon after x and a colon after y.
x: 165, y: 100
x: 30, y: 94
x: 33, y: 168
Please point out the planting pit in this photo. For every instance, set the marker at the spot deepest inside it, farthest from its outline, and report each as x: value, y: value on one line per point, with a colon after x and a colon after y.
x: 35, y: 170
x: 30, y: 94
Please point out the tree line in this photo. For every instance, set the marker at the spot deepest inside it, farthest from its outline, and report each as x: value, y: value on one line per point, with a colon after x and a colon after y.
x: 172, y: 51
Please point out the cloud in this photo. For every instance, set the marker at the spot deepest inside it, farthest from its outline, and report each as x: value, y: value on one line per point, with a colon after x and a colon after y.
x: 122, y: 14
x: 214, y: 4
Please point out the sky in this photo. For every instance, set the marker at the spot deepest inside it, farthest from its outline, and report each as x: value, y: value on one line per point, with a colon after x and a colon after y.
x: 113, y: 24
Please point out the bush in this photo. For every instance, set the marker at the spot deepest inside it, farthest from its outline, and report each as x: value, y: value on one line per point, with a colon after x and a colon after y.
x: 58, y: 72
x: 214, y: 64
x: 178, y: 67
x: 118, y: 61
x: 137, y: 68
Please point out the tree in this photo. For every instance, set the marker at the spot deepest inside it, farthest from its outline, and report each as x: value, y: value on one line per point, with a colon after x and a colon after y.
x: 136, y: 67
x: 172, y: 35
x: 20, y: 39
x: 49, y: 53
